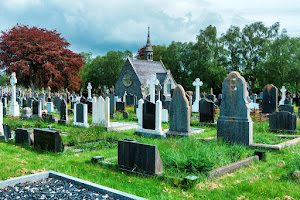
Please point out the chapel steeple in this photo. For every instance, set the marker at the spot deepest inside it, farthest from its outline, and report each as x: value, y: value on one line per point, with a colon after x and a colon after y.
x: 148, y: 49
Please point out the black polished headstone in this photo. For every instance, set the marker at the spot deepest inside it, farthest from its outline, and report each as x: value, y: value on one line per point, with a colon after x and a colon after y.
x: 283, y: 121
x: 207, y: 111
x: 79, y: 113
x: 111, y: 103
x: 22, y: 136
x: 120, y: 106
x: 139, y: 158
x: 35, y: 107
x: 47, y: 140
x: 149, y: 115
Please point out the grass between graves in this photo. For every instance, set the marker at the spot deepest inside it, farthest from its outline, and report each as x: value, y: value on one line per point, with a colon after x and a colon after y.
x: 180, y: 157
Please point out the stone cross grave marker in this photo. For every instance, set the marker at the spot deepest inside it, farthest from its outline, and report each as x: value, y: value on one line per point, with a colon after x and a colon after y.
x: 89, y: 87
x: 14, y: 106
x: 152, y: 83
x: 235, y: 124
x: 197, y: 83
x: 283, y: 95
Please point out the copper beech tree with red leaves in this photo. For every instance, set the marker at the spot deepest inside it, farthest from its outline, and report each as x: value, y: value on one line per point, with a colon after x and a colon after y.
x: 40, y: 58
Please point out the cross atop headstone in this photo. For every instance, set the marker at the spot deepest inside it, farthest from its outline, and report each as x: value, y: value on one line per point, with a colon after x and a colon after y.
x: 283, y: 96
x: 89, y: 87
x: 197, y: 83
x: 152, y: 83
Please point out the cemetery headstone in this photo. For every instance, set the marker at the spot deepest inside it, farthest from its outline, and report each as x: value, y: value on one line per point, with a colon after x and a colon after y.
x: 22, y: 136
x: 283, y: 96
x: 283, y: 121
x: 139, y: 158
x: 63, y: 112
x: 180, y: 113
x: 286, y: 107
x: 80, y: 115
x: 7, y: 132
x: 149, y: 115
x: 207, y: 111
x: 120, y: 106
x: 101, y: 110
x: 270, y: 99
x: 125, y: 115
x: 26, y: 113
x: 47, y: 140
x: 111, y: 103
x: 234, y: 123
x: 50, y: 107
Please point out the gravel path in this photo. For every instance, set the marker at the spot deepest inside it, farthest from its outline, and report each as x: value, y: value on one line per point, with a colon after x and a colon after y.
x: 49, y: 188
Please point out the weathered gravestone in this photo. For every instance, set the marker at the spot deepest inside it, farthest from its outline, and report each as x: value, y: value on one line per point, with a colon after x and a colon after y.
x: 207, y: 111
x: 4, y: 102
x: 235, y: 124
x: 101, y: 110
x: 180, y: 113
x: 26, y: 113
x: 22, y: 136
x: 47, y: 140
x: 270, y: 99
x: 63, y: 112
x: 283, y: 121
x: 219, y: 99
x: 7, y: 132
x: 139, y: 158
x: 80, y: 115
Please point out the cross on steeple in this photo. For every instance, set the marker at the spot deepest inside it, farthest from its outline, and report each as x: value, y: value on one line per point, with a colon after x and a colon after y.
x: 148, y: 48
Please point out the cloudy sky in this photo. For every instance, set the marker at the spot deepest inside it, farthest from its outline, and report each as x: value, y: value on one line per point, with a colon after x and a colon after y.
x: 99, y: 26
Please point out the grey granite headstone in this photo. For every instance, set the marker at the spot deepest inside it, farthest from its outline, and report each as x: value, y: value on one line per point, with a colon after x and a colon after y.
x: 79, y: 112
x: 288, y: 100
x: 234, y: 123
x: 22, y: 136
x: 270, y: 99
x: 63, y: 112
x: 179, y: 113
x: 283, y: 121
x: 139, y: 158
x: 7, y: 132
x: 207, y: 111
x: 47, y: 140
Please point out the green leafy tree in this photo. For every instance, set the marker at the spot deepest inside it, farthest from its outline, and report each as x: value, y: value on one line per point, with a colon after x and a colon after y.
x: 104, y: 70
x: 209, y: 60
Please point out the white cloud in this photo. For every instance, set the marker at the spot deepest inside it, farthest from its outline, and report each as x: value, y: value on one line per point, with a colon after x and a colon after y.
x: 100, y: 26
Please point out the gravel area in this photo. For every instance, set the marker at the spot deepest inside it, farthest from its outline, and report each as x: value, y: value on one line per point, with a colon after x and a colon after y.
x: 49, y: 188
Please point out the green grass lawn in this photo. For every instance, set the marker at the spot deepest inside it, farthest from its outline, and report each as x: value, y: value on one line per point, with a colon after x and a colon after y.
x: 180, y: 157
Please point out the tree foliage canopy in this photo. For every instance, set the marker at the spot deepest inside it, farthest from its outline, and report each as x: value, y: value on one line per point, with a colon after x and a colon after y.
x: 40, y: 58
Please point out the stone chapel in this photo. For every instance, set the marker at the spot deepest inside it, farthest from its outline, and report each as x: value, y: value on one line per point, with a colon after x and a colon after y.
x: 135, y: 73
